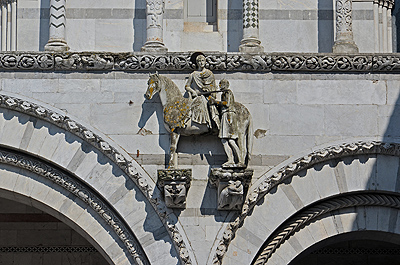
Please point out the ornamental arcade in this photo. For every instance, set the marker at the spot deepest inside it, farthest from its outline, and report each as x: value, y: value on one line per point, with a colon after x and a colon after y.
x: 200, y: 132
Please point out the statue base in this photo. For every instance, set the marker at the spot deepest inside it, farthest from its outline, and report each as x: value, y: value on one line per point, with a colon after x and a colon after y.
x: 56, y: 45
x: 232, y: 186
x: 251, y: 45
x: 348, y: 46
x: 154, y: 46
x: 174, y: 184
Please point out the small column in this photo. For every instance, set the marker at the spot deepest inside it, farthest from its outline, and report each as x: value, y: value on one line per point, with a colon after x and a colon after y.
x: 154, y: 30
x: 3, y: 27
x: 385, y: 26
x: 250, y: 42
x: 380, y: 26
x: 376, y: 25
x: 8, y: 26
x: 57, y: 41
x: 390, y: 29
x: 344, y: 32
x: 14, y: 25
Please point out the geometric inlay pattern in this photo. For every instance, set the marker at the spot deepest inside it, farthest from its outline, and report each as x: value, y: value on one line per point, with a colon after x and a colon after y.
x: 357, y: 251
x: 250, y: 14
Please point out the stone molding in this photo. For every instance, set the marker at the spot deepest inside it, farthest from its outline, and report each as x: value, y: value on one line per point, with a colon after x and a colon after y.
x: 80, y: 190
x: 169, y: 220
x: 308, y: 215
x: 48, y: 249
x: 227, y: 62
x: 271, y: 180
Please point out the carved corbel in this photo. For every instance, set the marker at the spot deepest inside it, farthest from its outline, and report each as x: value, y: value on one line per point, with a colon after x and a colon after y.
x: 232, y: 187
x: 174, y: 184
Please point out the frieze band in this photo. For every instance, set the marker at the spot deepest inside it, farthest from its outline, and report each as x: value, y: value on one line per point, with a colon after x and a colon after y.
x: 229, y: 62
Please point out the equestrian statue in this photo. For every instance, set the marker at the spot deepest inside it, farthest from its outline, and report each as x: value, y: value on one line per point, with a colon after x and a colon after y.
x: 202, y: 113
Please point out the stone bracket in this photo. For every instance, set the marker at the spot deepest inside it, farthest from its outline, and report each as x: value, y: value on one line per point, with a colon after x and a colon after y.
x: 232, y: 185
x: 174, y: 185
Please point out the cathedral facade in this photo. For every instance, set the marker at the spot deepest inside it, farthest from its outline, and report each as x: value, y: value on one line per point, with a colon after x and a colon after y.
x: 199, y: 132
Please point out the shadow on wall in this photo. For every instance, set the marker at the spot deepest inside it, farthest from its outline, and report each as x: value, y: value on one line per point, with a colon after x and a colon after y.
x: 235, y: 27
x: 139, y: 25
x: 325, y: 26
x: 396, y: 26
x: 44, y: 23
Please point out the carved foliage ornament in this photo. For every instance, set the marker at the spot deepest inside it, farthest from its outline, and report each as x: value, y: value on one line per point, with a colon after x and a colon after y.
x: 344, y: 15
x: 155, y: 9
x: 104, y: 147
x: 229, y: 62
x: 271, y: 181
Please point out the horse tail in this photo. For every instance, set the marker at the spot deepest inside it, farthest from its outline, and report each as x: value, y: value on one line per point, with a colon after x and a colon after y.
x: 249, y: 138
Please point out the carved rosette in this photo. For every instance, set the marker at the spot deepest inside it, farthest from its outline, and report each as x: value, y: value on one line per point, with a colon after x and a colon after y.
x: 154, y: 29
x: 174, y: 183
x: 344, y: 32
x: 232, y: 185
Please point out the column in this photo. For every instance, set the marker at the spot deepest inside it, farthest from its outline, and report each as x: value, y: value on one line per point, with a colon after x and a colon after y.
x: 14, y: 25
x: 389, y: 15
x: 376, y: 25
x: 344, y: 33
x: 154, y: 29
x: 8, y: 26
x: 3, y: 26
x: 57, y: 41
x: 384, y: 27
x: 250, y: 42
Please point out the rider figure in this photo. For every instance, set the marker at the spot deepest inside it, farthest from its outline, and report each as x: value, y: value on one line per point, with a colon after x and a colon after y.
x: 199, y: 82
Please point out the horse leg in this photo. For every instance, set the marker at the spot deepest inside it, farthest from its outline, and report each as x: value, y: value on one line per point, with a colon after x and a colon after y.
x: 173, y: 157
x: 242, y: 148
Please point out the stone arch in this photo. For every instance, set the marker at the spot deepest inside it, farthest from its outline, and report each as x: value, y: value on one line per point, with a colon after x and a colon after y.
x: 335, y: 216
x: 55, y: 139
x: 281, y: 193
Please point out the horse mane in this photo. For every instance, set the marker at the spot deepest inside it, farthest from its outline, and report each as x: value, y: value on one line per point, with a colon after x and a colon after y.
x: 170, y: 86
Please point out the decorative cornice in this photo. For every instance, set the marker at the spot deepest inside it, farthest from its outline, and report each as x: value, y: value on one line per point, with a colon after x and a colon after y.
x: 271, y: 180
x: 228, y: 62
x: 78, y: 189
x: 307, y: 216
x: 62, y: 121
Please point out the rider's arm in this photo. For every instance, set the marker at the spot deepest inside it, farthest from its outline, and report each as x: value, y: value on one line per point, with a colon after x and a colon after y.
x: 191, y: 91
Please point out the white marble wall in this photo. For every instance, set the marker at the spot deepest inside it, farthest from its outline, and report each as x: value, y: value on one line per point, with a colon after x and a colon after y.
x: 285, y: 26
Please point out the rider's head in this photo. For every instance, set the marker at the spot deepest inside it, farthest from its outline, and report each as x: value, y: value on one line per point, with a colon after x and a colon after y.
x: 223, y: 84
x: 201, y: 61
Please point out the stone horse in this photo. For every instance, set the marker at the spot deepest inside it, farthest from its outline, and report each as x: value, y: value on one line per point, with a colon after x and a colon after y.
x: 177, y: 117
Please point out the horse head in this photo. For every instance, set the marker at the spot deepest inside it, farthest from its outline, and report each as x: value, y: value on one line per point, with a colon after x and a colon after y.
x: 153, y: 85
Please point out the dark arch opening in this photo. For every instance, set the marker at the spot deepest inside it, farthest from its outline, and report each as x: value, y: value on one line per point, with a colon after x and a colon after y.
x: 354, y: 248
